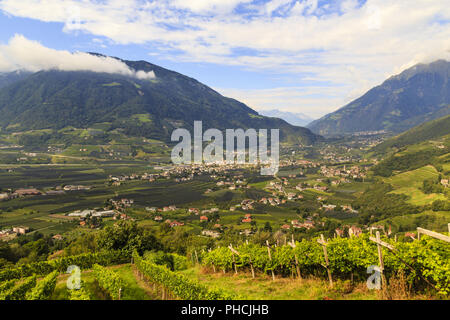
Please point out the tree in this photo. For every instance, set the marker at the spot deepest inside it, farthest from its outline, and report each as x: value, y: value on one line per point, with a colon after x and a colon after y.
x: 267, y: 227
x: 127, y: 236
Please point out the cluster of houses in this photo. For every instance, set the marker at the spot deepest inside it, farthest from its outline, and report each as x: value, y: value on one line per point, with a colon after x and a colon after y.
x: 117, y: 180
x: 233, y: 185
x: 307, y: 224
x: 163, y: 209
x: 9, y: 234
x: 272, y: 201
x: 346, y: 208
x: 76, y: 188
x: 354, y: 172
x: 445, y: 182
x: 352, y: 231
x: 174, y: 223
x: 35, y: 192
x: 121, y: 204
x: 19, y: 193
x: 211, y: 233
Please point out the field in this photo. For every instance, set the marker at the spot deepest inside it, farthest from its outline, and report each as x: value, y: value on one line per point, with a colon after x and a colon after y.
x: 408, y: 183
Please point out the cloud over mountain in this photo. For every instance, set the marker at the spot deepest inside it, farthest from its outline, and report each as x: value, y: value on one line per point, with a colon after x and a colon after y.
x: 24, y: 54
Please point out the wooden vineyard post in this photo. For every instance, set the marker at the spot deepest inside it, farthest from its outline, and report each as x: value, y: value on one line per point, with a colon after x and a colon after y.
x: 233, y: 251
x: 270, y: 258
x: 380, y: 243
x: 433, y: 234
x: 214, y: 267
x: 292, y: 244
x: 120, y: 293
x: 325, y: 253
x: 196, y: 256
x: 251, y: 263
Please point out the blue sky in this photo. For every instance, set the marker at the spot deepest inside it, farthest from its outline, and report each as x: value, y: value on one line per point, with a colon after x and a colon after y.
x: 303, y: 56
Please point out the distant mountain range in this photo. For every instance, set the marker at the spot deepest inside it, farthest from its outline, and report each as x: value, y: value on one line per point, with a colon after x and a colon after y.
x: 294, y: 118
x: 150, y: 108
x: 417, y: 95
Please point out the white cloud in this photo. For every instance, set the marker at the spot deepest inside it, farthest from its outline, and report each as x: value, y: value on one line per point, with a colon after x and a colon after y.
x: 208, y: 6
x: 23, y: 54
x: 347, y: 46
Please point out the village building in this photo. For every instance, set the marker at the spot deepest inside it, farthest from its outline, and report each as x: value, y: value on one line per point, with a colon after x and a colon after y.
x: 27, y: 192
x: 210, y: 233
x: 21, y: 230
x: 4, y: 196
x: 354, y: 231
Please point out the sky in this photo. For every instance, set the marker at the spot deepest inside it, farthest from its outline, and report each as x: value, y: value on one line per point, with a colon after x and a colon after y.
x: 306, y: 56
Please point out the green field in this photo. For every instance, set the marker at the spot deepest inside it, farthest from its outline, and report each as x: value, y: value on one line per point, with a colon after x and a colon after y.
x: 408, y: 183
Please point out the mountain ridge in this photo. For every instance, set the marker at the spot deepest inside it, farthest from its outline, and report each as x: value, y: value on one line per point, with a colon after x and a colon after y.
x: 55, y: 99
x: 396, y: 105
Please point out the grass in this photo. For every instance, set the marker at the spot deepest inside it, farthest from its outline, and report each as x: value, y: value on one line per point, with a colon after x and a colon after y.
x: 431, y: 220
x: 263, y: 288
x: 409, y: 183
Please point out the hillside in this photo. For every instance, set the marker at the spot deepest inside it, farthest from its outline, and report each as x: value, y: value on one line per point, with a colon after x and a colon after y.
x: 417, y: 95
x: 430, y: 130
x: 149, y: 108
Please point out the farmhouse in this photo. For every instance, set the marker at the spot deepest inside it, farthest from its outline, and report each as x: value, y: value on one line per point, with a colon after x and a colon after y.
x: 354, y: 231
x: 4, y: 196
x: 210, y: 233
x: 176, y: 224
x: 21, y: 230
x: 27, y: 192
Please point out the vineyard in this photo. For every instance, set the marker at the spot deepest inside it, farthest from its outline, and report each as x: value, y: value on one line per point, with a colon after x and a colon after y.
x: 177, y: 284
x: 425, y: 263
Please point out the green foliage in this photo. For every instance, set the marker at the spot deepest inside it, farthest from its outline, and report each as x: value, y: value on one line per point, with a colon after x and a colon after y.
x: 178, y: 284
x: 110, y: 281
x: 19, y: 291
x: 56, y: 100
x: 432, y: 186
x: 440, y: 205
x: 376, y: 203
x: 79, y: 294
x: 44, y: 288
x: 406, y: 162
x: 427, y: 131
x: 7, y: 285
x: 172, y: 261
x: 127, y: 236
x: 429, y: 258
x: 84, y: 261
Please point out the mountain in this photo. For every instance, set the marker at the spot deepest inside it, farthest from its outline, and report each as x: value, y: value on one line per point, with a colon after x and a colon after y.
x: 417, y: 95
x: 11, y: 77
x: 425, y: 145
x: 148, y: 108
x: 296, y: 119
x: 432, y: 130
